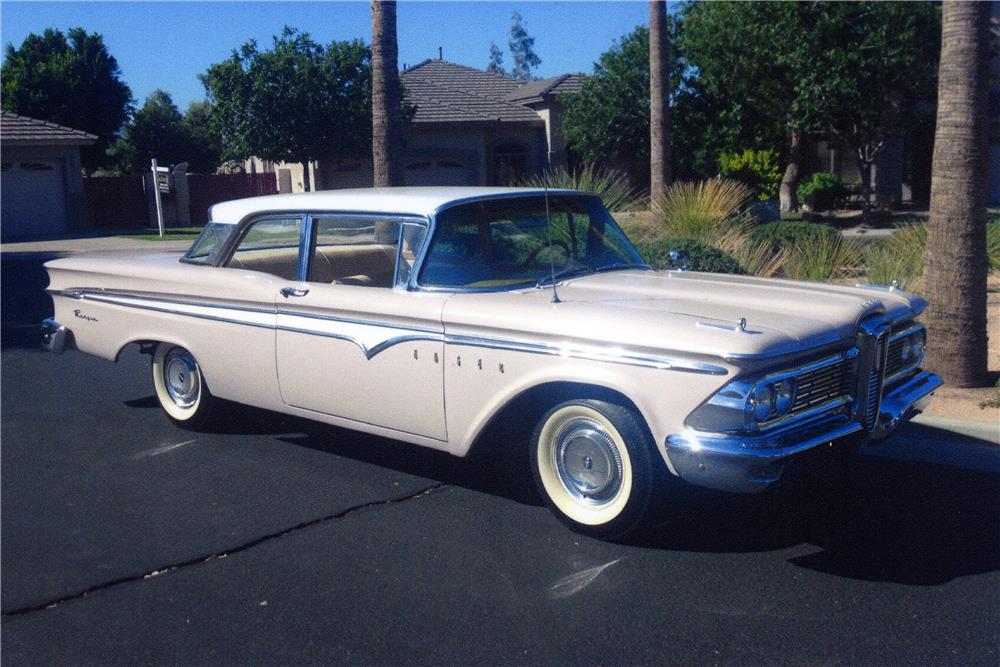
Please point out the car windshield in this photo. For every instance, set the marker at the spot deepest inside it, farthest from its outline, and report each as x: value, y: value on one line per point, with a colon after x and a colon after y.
x: 519, y: 241
x: 207, y: 246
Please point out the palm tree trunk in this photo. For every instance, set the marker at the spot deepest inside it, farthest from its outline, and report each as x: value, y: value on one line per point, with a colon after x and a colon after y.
x: 955, y: 258
x: 386, y: 142
x: 788, y: 200
x: 659, y: 98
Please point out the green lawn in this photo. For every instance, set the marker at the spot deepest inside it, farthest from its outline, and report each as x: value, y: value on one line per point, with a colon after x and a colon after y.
x: 170, y: 234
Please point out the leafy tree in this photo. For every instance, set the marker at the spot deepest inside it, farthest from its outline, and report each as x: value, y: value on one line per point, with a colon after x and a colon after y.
x: 522, y: 48
x: 297, y: 102
x: 848, y: 71
x: 496, y: 60
x: 155, y: 131
x: 204, y: 155
x: 69, y: 79
x: 869, y: 65
x: 746, y: 60
x: 608, y: 120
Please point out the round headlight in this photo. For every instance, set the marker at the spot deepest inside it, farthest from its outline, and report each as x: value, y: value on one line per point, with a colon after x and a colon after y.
x: 763, y: 402
x: 918, y: 342
x: 784, y: 396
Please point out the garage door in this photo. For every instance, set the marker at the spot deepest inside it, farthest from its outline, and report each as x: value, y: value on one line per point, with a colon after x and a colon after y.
x: 33, y: 199
x: 437, y: 171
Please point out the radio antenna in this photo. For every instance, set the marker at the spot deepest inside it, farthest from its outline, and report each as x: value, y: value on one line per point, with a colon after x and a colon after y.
x: 552, y: 260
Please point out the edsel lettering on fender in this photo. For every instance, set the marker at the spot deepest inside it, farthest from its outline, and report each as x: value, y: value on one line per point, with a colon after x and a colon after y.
x: 425, y: 314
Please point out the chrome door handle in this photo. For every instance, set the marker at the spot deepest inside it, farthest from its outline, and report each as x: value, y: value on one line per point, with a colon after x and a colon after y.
x: 293, y: 291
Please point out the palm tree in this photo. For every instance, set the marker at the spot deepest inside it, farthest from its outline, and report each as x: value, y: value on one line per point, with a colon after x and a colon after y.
x: 955, y: 258
x: 659, y: 92
x: 385, y: 95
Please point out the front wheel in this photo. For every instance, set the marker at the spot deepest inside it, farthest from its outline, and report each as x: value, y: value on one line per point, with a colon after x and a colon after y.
x: 593, y: 464
x: 180, y: 386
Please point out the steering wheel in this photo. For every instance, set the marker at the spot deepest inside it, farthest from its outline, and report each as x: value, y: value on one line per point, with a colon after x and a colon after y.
x: 534, y: 253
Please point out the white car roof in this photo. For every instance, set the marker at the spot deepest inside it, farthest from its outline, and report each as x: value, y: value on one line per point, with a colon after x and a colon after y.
x: 421, y: 201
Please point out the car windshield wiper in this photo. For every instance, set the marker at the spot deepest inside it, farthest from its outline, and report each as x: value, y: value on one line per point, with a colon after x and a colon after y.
x: 577, y: 270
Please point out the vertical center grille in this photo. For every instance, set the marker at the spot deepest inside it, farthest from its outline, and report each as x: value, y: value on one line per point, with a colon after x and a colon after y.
x: 873, y: 350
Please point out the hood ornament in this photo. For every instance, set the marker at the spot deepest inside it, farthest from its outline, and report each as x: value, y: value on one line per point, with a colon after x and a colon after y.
x: 739, y: 328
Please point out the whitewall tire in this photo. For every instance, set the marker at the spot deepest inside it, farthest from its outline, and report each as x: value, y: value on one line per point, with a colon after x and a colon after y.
x: 180, y: 386
x: 593, y: 464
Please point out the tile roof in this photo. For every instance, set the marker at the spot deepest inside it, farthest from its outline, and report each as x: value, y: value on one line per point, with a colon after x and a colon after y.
x: 447, y: 92
x: 21, y: 130
x: 557, y: 85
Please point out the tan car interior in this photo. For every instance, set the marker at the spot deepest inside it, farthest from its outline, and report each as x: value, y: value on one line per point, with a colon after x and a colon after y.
x: 369, y: 265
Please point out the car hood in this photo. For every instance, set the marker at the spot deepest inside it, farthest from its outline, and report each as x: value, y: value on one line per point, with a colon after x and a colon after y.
x: 696, y: 313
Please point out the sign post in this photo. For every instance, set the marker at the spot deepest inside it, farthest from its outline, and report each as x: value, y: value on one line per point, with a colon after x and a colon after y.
x: 156, y: 191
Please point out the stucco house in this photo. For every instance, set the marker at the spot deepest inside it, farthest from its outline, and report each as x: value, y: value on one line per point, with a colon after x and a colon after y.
x: 470, y: 127
x: 41, y: 184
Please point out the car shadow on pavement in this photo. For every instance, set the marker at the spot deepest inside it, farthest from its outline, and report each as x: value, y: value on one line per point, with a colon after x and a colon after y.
x: 880, y: 519
x: 876, y: 519
x: 489, y: 468
x: 23, y: 301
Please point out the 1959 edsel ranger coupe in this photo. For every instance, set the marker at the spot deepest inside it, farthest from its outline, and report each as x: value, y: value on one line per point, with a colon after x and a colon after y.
x: 424, y: 314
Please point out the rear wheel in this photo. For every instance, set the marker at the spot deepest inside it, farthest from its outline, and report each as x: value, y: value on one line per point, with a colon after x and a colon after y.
x: 594, y: 465
x: 180, y: 386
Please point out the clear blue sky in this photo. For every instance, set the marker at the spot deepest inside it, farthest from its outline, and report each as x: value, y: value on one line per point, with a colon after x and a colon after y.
x: 167, y: 44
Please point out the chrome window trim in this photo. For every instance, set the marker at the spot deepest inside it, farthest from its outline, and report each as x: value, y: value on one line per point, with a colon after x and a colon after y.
x: 306, y: 242
x: 402, y: 218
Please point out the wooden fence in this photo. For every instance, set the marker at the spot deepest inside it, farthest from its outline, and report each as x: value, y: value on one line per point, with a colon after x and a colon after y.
x: 206, y: 190
x: 120, y: 201
x: 115, y: 201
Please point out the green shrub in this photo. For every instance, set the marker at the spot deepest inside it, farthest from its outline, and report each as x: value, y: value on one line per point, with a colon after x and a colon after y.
x: 613, y: 185
x: 822, y: 192
x: 702, y: 210
x: 899, y: 257
x: 993, y: 243
x: 822, y: 258
x: 701, y: 256
x: 760, y: 170
x: 791, y: 233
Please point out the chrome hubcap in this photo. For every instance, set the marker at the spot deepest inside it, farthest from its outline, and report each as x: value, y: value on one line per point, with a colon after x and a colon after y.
x: 588, y: 461
x: 180, y: 375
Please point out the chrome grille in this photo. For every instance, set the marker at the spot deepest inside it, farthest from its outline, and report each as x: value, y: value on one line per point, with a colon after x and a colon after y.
x: 874, y: 376
x: 822, y: 385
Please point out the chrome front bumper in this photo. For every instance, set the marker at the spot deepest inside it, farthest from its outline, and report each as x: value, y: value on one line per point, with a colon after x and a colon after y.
x: 752, y: 463
x: 54, y: 336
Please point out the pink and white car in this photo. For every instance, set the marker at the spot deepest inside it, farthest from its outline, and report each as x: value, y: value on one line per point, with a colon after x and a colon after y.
x: 424, y: 314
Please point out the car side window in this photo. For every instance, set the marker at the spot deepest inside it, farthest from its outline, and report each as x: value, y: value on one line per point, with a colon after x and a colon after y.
x: 364, y: 251
x: 270, y: 246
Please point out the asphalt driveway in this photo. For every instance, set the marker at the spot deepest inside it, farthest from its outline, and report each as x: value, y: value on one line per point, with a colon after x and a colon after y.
x: 126, y: 540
